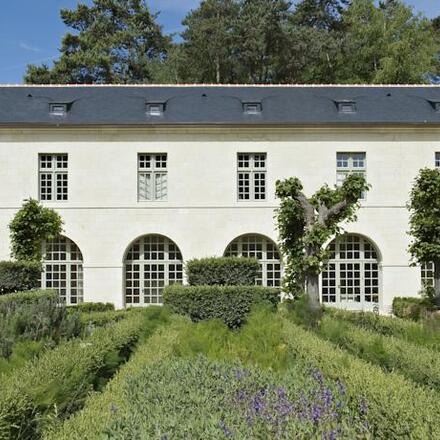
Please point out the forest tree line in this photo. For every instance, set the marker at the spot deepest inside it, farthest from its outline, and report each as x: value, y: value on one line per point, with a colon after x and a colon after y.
x: 247, y: 42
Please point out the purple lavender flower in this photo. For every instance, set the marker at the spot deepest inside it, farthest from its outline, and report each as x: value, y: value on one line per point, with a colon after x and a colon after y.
x: 317, y: 375
x: 225, y: 429
x: 341, y: 387
x: 327, y: 397
x: 316, y: 413
x: 363, y: 407
x: 240, y: 374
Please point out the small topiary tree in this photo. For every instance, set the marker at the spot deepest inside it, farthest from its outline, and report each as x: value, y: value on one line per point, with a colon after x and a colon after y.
x: 424, y: 207
x: 306, y: 224
x: 31, y: 226
x: 222, y: 271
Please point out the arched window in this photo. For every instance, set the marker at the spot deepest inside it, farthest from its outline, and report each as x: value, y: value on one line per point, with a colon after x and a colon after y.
x: 152, y: 262
x: 427, y: 271
x: 352, y: 273
x: 63, y: 269
x: 265, y: 251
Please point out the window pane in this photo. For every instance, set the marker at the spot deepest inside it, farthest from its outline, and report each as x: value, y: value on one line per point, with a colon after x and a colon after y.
x: 53, y: 183
x: 152, y: 185
x: 437, y: 160
x: 251, y: 176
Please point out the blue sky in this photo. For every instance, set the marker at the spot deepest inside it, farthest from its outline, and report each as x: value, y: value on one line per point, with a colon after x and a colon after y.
x: 31, y: 30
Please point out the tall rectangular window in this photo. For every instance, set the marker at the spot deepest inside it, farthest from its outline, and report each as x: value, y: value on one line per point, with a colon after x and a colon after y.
x: 350, y: 163
x: 251, y: 176
x: 152, y: 177
x: 437, y: 160
x: 53, y: 177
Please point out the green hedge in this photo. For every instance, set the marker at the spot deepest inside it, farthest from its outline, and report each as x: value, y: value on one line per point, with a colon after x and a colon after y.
x: 224, y: 271
x: 34, y: 316
x: 413, y: 332
x: 411, y: 308
x: 100, y: 409
x: 12, y: 301
x: 18, y: 276
x: 419, y: 364
x: 397, y: 408
x: 56, y: 384
x: 156, y: 395
x: 88, y: 307
x: 231, y: 304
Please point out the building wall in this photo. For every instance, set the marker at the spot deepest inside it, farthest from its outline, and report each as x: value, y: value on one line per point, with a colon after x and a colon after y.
x: 202, y: 214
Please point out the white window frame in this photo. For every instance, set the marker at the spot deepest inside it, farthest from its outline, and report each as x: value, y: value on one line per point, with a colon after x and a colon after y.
x: 252, y: 170
x: 150, y: 174
x: 352, y: 161
x: 427, y: 274
x: 152, y: 262
x: 60, y: 268
x: 344, y: 255
x: 58, y: 176
x: 437, y: 159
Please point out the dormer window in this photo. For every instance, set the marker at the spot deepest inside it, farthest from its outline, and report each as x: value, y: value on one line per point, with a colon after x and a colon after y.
x: 58, y: 109
x: 346, y: 106
x: 155, y: 108
x: 435, y: 105
x: 252, y: 108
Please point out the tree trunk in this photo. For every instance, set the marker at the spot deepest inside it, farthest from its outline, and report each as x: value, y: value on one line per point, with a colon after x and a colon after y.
x: 437, y: 281
x: 312, y: 290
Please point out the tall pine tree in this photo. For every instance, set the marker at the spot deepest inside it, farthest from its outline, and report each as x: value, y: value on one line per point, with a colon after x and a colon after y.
x: 114, y: 41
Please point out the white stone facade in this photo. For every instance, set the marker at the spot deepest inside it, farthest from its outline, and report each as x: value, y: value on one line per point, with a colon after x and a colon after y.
x: 202, y: 213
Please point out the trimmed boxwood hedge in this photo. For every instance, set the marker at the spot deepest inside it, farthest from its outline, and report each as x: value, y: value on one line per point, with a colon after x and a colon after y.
x: 18, y: 276
x: 231, y: 304
x: 224, y: 271
x: 89, y: 307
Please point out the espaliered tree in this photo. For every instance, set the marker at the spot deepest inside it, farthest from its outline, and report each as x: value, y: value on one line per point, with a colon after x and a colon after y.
x: 424, y: 207
x: 306, y: 224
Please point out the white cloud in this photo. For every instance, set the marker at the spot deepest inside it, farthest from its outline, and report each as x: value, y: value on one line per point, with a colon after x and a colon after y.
x: 29, y: 48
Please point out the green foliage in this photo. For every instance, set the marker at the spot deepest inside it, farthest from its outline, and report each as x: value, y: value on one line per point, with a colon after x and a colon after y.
x: 412, y: 332
x: 56, y: 384
x: 418, y: 364
x: 243, y: 41
x: 387, y: 44
x: 389, y: 414
x: 231, y: 304
x: 88, y: 307
x: 114, y: 41
x: 90, y: 320
x: 424, y: 220
x: 227, y: 271
x: 34, y: 316
x: 191, y: 396
x: 100, y: 409
x: 297, y: 359
x: 30, y: 227
x: 204, y: 399
x: 18, y: 276
x: 21, y: 353
x: 411, y: 308
x: 305, y: 225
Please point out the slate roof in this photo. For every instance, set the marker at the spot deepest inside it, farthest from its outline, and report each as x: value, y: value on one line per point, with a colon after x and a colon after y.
x: 220, y: 105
